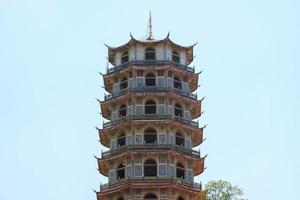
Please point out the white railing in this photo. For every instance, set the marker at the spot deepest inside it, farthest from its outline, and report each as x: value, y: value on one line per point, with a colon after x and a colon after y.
x: 158, y: 63
x: 121, y: 149
x: 148, y: 112
x: 157, y: 179
x: 162, y: 84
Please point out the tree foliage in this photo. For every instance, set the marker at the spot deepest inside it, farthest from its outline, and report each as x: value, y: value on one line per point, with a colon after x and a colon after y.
x: 223, y: 190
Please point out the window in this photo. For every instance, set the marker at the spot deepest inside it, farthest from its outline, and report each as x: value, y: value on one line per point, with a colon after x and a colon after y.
x: 123, y: 84
x: 150, y: 80
x: 175, y: 57
x: 150, y: 197
x: 180, y: 198
x: 150, y: 54
x: 121, y: 198
x: 122, y: 111
x: 121, y: 140
x: 150, y: 136
x: 177, y: 83
x: 150, y: 168
x: 121, y: 171
x: 178, y: 110
x: 180, y: 170
x: 150, y: 107
x: 179, y: 139
x: 124, y: 57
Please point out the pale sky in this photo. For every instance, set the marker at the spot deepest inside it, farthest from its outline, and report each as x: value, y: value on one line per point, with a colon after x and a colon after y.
x: 51, y: 52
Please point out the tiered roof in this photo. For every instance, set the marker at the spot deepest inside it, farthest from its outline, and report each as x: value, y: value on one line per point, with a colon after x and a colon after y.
x: 167, y: 41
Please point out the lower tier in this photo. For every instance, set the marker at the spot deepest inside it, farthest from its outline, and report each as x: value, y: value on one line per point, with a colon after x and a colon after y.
x: 151, y: 189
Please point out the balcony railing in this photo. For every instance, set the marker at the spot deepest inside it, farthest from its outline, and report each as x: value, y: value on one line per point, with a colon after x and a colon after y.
x: 148, y: 112
x: 112, y: 124
x: 156, y: 179
x: 147, y: 147
x: 150, y: 89
x: 142, y: 84
x: 149, y: 62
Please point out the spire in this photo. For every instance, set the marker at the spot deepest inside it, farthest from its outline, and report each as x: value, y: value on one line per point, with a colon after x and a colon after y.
x: 149, y: 35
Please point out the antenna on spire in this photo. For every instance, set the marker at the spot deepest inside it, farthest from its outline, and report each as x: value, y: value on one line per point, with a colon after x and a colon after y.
x: 149, y: 35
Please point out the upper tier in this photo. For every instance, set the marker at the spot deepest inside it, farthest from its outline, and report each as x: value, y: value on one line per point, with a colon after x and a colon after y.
x: 150, y: 50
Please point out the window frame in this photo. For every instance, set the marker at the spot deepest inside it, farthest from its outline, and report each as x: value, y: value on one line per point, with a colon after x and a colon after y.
x: 125, y: 57
x: 151, y: 166
x: 175, y: 57
x: 150, y: 54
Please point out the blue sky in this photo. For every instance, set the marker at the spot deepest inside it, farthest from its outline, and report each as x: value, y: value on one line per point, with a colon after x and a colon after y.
x: 50, y: 55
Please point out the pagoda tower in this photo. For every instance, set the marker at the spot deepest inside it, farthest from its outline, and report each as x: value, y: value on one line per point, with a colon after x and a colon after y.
x: 150, y: 130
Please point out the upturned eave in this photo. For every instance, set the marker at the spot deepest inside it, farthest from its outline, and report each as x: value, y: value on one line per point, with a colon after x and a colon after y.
x: 112, y: 50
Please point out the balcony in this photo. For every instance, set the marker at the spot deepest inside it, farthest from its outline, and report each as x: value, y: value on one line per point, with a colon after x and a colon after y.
x: 150, y: 89
x: 112, y: 124
x: 148, y: 112
x: 152, y: 147
x: 157, y: 63
x: 160, y: 84
x: 148, y: 180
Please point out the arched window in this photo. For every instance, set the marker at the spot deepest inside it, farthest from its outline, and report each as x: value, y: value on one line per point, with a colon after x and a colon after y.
x: 121, y: 171
x: 150, y: 107
x: 175, y: 57
x: 121, y: 198
x: 150, y: 168
x: 150, y: 136
x: 179, y: 139
x: 123, y: 83
x: 150, y: 80
x: 177, y: 83
x: 121, y: 140
x: 124, y: 57
x: 122, y: 111
x: 178, y: 111
x: 180, y: 170
x: 180, y: 198
x: 150, y: 197
x: 150, y: 53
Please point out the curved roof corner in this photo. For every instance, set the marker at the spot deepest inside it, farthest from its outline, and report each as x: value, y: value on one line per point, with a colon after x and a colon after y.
x: 112, y: 50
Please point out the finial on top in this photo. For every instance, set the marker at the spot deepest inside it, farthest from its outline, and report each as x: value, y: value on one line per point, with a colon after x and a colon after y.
x: 149, y: 35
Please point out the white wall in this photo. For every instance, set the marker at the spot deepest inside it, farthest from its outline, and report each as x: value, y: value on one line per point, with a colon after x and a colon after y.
x: 140, y: 53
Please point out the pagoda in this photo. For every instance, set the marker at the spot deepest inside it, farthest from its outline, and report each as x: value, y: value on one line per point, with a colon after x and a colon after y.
x: 150, y: 130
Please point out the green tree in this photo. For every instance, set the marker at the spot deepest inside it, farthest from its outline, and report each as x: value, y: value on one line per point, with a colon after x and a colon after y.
x: 223, y: 190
